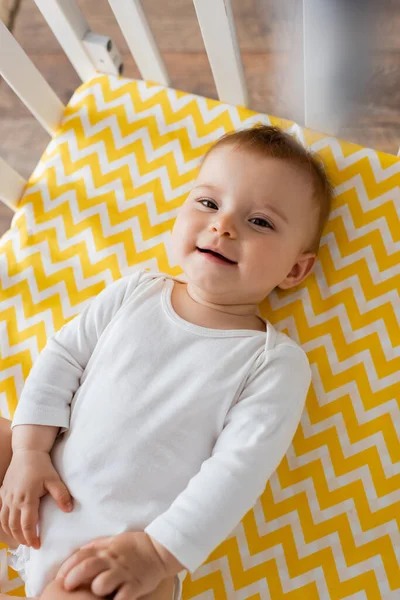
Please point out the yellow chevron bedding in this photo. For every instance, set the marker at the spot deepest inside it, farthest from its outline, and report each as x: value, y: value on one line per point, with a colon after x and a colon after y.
x: 102, y: 202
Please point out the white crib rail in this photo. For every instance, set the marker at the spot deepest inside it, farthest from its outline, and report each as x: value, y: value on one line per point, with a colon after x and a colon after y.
x: 219, y: 35
x: 68, y: 24
x: 138, y: 35
x: 28, y: 83
x: 31, y: 87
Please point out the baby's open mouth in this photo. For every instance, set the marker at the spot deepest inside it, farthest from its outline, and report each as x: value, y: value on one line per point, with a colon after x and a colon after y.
x: 217, y: 255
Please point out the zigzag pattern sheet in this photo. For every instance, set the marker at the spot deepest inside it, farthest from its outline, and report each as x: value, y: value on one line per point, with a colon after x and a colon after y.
x: 102, y: 202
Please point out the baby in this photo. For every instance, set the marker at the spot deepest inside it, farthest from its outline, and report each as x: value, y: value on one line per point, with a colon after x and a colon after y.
x: 149, y: 424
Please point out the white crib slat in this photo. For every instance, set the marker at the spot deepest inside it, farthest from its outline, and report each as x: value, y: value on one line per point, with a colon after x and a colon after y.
x: 28, y: 83
x: 11, y: 185
x: 69, y: 26
x: 219, y: 34
x: 135, y: 27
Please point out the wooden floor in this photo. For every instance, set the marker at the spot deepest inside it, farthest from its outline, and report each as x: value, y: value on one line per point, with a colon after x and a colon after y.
x: 270, y: 36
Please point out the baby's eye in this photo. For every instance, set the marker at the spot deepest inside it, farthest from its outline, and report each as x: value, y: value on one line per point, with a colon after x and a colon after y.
x: 208, y: 203
x: 261, y: 222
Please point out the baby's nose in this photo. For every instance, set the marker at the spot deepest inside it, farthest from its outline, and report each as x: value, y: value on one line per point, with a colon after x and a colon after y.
x: 224, y: 226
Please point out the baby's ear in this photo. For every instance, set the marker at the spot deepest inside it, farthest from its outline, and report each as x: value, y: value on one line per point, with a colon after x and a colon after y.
x: 300, y: 270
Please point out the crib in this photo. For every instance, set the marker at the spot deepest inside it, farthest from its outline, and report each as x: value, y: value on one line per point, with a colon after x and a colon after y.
x: 101, y: 203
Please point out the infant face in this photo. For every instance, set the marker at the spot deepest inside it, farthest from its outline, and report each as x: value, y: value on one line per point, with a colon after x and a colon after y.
x: 257, y: 212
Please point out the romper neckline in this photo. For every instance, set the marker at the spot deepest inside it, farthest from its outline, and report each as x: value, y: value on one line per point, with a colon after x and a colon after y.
x: 198, y: 329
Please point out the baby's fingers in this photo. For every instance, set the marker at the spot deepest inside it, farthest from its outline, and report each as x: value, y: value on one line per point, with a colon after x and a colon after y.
x: 59, y: 492
x: 126, y: 592
x: 4, y: 519
x: 14, y: 522
x: 74, y: 560
x: 29, y: 521
x: 85, y: 572
x: 108, y: 581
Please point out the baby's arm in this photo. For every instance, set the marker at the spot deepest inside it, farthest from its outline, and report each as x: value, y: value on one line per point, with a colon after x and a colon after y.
x: 257, y: 433
x: 44, y: 407
x: 56, y: 374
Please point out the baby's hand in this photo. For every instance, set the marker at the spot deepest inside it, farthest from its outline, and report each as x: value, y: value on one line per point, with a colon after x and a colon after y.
x: 131, y: 563
x: 30, y: 476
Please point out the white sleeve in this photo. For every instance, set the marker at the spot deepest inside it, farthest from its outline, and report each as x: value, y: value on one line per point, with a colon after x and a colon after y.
x: 56, y: 373
x: 257, y: 433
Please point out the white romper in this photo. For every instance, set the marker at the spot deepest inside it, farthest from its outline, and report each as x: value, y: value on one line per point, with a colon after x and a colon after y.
x: 167, y: 427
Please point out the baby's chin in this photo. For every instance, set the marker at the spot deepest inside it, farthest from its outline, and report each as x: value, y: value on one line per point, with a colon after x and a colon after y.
x: 211, y: 282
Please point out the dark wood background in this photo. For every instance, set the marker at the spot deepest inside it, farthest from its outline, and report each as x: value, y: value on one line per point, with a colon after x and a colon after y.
x: 270, y: 37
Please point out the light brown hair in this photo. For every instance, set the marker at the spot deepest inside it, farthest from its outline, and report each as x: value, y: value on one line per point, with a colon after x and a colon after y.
x: 272, y: 141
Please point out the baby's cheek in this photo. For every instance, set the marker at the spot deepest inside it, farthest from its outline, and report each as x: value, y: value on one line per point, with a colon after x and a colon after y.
x: 179, y: 245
